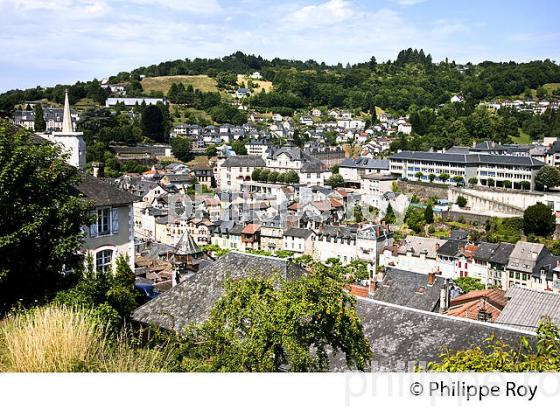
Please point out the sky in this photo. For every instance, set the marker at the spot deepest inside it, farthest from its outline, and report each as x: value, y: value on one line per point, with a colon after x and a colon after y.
x: 48, y: 42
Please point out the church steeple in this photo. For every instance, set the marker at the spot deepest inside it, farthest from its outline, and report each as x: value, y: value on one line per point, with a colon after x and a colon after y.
x: 67, y: 118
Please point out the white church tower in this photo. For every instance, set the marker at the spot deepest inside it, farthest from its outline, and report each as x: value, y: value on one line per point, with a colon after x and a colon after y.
x: 72, y: 142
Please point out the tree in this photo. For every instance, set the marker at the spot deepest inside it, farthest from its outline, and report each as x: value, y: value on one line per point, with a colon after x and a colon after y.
x: 525, y: 185
x: 40, y: 125
x: 429, y: 214
x: 458, y: 179
x: 211, y: 150
x: 507, y: 184
x: 256, y: 174
x: 152, y: 123
x: 419, y: 175
x: 431, y: 177
x: 547, y: 177
x: 238, y: 147
x: 498, y: 356
x: 357, y: 269
x: 181, y: 149
x: 390, y: 217
x: 490, y: 182
x: 43, y: 233
x: 461, y: 201
x: 468, y: 284
x: 270, y: 324
x: 291, y: 177
x: 415, y: 219
x: 335, y: 181
x: 473, y: 181
x: 539, y: 220
x: 358, y: 214
x: 443, y: 177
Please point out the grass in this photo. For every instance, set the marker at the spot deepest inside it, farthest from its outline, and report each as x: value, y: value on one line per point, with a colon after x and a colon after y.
x: 63, y: 339
x: 523, y: 138
x: 262, y: 84
x: 552, y: 87
x: 162, y: 84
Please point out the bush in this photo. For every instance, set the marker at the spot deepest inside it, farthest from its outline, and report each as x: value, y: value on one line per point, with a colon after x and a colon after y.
x: 461, y: 201
x: 539, y: 220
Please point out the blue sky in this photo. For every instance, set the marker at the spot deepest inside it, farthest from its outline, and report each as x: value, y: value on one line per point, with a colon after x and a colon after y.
x: 45, y: 42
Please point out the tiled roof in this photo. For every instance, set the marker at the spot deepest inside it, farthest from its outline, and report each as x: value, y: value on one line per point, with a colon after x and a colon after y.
x: 298, y: 232
x: 471, y: 159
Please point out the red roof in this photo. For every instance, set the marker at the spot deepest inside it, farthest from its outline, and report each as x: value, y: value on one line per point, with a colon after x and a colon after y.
x: 251, y: 229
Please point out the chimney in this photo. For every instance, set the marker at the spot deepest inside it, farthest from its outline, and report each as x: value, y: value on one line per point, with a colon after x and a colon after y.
x: 98, y: 169
x: 444, y: 297
x: 372, y: 286
x: 437, y: 246
x: 431, y: 278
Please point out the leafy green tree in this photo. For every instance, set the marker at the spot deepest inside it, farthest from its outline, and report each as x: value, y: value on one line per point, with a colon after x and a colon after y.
x: 41, y: 232
x: 238, y: 147
x: 335, y: 181
x: 272, y: 177
x: 291, y: 177
x: 153, y: 123
x: 40, y: 125
x: 498, y: 356
x: 390, y: 217
x: 181, y: 149
x: 357, y: 269
x: 443, y: 177
x: 256, y: 174
x: 504, y: 230
x: 507, y: 184
x: 415, y: 219
x: 547, y: 177
x: 525, y: 185
x: 490, y: 182
x: 429, y: 214
x: 461, y: 201
x: 335, y: 169
x: 211, y: 150
x: 539, y: 220
x: 358, y: 214
x: 458, y: 179
x: 473, y: 181
x: 431, y: 177
x: 419, y: 175
x: 273, y: 324
x: 468, y: 284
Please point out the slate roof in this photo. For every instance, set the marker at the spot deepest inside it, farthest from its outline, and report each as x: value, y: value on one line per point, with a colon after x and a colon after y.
x: 485, y: 251
x: 502, y: 253
x: 451, y: 247
x: 410, y: 289
x: 526, y: 307
x: 244, y: 161
x: 298, y: 232
x: 191, y: 300
x: 402, y: 338
x: 103, y: 193
x: 470, y: 159
x: 365, y: 162
x: 418, y: 245
x: 525, y: 256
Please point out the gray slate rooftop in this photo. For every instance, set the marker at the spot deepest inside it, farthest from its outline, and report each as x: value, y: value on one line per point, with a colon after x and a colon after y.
x: 526, y: 307
x: 402, y: 338
x: 191, y: 300
x: 103, y: 193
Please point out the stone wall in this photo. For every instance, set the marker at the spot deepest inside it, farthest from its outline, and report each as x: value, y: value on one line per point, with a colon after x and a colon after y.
x: 423, y: 190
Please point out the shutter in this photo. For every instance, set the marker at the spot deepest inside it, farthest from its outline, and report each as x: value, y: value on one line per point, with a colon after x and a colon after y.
x: 114, y: 220
x: 93, y: 227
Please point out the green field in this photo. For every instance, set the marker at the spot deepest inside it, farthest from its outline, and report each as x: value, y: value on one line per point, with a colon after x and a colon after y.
x: 162, y: 84
x: 522, y: 139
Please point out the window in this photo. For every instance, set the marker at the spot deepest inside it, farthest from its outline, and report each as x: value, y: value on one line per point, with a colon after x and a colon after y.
x: 103, y: 260
x: 103, y: 221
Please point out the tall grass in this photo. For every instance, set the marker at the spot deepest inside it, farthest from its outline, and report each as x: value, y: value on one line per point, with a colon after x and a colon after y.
x: 64, y: 339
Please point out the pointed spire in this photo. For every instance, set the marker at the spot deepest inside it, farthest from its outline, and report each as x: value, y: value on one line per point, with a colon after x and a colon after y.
x: 67, y: 119
x: 187, y: 245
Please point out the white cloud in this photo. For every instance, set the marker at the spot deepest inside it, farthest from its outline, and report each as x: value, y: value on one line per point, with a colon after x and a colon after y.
x: 408, y: 2
x: 331, y: 12
x: 192, y: 6
x: 445, y: 28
